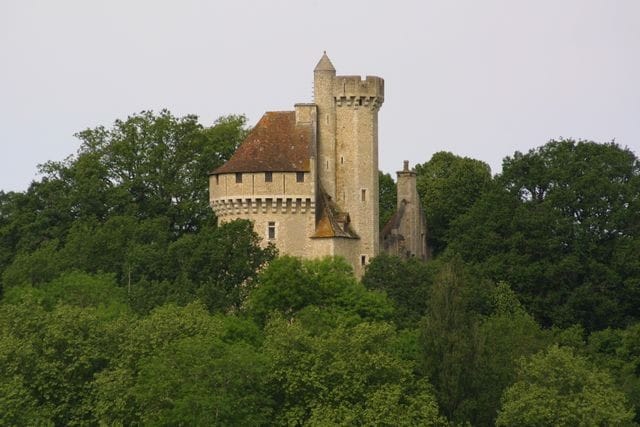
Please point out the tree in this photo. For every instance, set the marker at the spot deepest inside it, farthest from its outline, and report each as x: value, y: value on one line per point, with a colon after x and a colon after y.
x: 503, y: 338
x: 35, y: 268
x: 448, y: 186
x: 387, y: 198
x: 560, y: 225
x: 74, y: 288
x: 51, y: 357
x: 147, y: 167
x: 618, y: 351
x: 405, y: 281
x: 291, y: 284
x: 343, y: 374
x: 556, y: 387
x: 183, y: 363
x: 203, y: 381
x: 449, y: 337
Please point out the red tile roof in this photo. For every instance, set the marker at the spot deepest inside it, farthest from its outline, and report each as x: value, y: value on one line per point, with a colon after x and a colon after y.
x: 275, y: 144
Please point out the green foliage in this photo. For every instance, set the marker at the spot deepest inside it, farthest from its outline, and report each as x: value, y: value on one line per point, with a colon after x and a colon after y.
x: 74, y: 288
x: 560, y: 225
x: 448, y: 340
x: 448, y: 186
x: 290, y: 284
x: 51, y: 358
x: 152, y: 165
x: 124, y: 304
x: 405, y: 281
x: 471, y: 339
x: 556, y: 387
x: 34, y: 268
x: 225, y: 386
x: 180, y: 363
x: 388, y: 197
x: 221, y: 263
x: 618, y: 351
x: 344, y: 375
x: 503, y: 338
x: 216, y: 266
x: 150, y: 170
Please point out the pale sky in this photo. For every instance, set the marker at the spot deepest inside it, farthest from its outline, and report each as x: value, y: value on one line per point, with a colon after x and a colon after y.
x: 477, y: 78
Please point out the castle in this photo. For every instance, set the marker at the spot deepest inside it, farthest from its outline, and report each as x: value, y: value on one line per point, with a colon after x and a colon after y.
x: 308, y: 178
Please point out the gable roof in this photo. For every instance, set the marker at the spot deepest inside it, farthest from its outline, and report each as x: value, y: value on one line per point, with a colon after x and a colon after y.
x: 394, y: 222
x: 275, y: 144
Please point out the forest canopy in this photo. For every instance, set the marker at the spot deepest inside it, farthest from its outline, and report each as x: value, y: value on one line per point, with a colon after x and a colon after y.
x: 124, y: 302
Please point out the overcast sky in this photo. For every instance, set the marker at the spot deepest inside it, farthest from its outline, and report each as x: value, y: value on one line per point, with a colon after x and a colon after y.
x: 477, y: 78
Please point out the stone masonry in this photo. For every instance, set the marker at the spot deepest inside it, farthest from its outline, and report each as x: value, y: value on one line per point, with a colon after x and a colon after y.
x: 308, y: 178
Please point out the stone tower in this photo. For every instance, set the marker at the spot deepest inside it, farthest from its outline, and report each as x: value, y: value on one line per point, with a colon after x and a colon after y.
x: 308, y: 178
x: 348, y: 148
x: 405, y: 234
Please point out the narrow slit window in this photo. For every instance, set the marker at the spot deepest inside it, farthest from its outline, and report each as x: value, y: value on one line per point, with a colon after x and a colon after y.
x: 271, y: 230
x: 341, y: 160
x: 217, y: 179
x: 238, y: 177
x: 363, y: 195
x: 268, y: 177
x: 299, y: 176
x: 363, y: 259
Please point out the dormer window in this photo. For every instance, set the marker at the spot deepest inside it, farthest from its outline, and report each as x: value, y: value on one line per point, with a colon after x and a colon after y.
x: 238, y: 177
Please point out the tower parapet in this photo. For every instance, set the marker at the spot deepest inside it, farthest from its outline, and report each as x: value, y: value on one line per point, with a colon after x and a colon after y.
x: 308, y: 178
x: 354, y: 91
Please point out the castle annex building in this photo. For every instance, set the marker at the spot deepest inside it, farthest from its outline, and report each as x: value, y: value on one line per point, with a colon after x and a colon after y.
x: 308, y: 178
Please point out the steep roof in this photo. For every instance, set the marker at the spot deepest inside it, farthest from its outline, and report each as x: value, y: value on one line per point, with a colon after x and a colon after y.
x: 394, y: 222
x: 275, y: 144
x: 324, y: 64
x: 332, y: 221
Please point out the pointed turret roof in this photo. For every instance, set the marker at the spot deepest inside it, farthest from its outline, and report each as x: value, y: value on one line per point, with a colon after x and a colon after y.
x: 324, y: 64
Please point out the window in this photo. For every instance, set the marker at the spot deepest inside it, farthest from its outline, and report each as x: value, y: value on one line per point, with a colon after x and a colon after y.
x: 217, y: 179
x: 268, y: 177
x: 363, y: 195
x: 363, y: 259
x: 238, y: 177
x: 271, y: 230
x: 299, y: 176
x: 341, y: 160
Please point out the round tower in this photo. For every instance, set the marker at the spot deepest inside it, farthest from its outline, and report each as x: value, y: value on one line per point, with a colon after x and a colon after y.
x: 323, y: 81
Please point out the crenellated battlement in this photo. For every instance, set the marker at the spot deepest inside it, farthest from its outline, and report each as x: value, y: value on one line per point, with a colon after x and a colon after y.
x: 282, y: 204
x: 308, y: 179
x: 355, y: 91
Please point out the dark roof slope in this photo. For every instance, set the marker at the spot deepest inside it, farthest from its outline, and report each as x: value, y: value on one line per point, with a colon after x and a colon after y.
x: 275, y: 144
x: 332, y: 222
x: 394, y: 221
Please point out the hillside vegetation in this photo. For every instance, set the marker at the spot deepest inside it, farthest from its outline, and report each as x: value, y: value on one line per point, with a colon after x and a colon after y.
x: 124, y: 303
